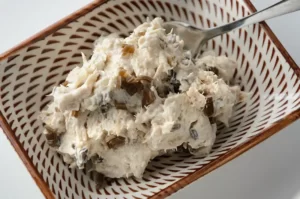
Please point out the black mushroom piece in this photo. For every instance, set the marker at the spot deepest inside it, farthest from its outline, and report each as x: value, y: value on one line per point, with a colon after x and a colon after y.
x: 116, y: 142
x: 163, y: 44
x: 214, y: 70
x: 52, y: 137
x: 175, y: 84
x: 182, y: 149
x: 193, y: 132
x: 99, y: 179
x: 209, y: 107
x: 198, y: 151
x: 185, y: 148
x: 96, y: 159
x: 89, y: 166
x: 104, y: 108
x: 175, y: 127
x: 163, y: 91
x: 109, y: 181
x: 212, y: 120
x: 192, y: 150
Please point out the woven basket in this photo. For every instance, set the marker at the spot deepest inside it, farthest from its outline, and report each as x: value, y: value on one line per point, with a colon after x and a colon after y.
x: 29, y: 71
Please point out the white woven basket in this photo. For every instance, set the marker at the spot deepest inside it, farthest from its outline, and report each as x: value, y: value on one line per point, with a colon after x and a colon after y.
x: 29, y: 72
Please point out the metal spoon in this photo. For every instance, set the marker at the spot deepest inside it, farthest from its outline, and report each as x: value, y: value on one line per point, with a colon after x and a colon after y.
x: 195, y: 37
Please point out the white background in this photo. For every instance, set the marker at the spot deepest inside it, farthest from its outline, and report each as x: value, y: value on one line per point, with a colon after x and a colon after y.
x: 268, y: 171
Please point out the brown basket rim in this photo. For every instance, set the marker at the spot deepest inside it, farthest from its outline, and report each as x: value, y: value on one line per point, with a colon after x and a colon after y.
x: 184, y: 181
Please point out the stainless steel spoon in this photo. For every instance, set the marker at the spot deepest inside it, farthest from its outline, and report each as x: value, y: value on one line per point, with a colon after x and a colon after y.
x: 195, y: 37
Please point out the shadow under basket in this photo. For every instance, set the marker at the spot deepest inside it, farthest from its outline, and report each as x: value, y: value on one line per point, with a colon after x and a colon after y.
x: 29, y: 71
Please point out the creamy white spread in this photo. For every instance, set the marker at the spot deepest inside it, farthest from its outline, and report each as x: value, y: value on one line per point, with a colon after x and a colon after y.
x: 137, y: 98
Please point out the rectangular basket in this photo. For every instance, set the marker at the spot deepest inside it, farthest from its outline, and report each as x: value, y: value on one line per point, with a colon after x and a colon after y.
x: 29, y: 71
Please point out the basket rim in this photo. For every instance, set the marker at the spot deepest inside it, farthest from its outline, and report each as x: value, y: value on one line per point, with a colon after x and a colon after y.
x: 275, y: 128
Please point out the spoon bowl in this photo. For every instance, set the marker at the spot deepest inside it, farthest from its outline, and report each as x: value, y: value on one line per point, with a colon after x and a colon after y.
x: 195, y: 37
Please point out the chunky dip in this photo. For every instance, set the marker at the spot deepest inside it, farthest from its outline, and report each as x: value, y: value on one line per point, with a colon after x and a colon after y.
x: 137, y: 98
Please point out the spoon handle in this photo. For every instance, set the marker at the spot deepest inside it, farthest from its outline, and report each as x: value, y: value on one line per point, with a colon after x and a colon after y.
x: 278, y: 9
